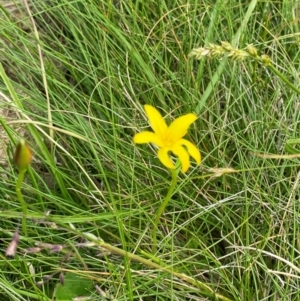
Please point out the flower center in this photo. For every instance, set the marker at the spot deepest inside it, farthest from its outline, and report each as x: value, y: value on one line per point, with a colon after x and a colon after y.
x: 168, y: 139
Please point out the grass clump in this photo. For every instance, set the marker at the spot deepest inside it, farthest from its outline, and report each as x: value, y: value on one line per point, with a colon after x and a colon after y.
x: 74, y: 79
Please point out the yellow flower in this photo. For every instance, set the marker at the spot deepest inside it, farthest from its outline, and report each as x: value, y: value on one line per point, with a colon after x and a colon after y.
x: 170, y: 138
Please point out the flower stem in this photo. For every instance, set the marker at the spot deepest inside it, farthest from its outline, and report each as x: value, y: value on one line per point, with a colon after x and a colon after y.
x: 205, y: 289
x: 280, y: 75
x: 161, y: 209
x: 21, y: 199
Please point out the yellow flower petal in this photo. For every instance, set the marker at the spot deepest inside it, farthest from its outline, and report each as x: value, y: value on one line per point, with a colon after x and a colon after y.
x: 164, y: 157
x: 156, y: 121
x: 180, y: 125
x: 192, y: 150
x: 183, y: 157
x: 147, y: 137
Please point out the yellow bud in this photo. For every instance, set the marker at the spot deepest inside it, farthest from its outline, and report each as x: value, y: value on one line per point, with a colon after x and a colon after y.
x: 23, y: 155
x: 265, y: 59
x: 252, y: 50
x: 226, y: 45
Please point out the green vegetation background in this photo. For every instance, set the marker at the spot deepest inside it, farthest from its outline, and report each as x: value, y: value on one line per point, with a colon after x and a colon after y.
x: 79, y: 101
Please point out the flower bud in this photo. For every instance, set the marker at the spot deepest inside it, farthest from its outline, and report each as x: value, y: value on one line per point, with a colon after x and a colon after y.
x: 23, y: 155
x: 265, y: 59
x: 252, y: 50
x: 32, y: 250
x: 12, y: 248
x: 226, y: 45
